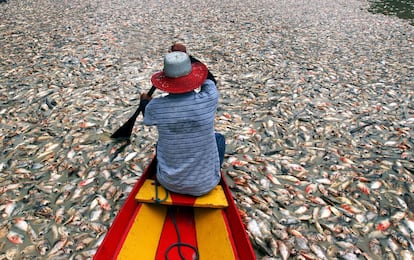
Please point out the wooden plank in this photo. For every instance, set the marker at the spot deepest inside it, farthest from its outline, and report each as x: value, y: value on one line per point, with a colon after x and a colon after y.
x: 214, y: 199
x: 213, y: 237
x: 143, y: 237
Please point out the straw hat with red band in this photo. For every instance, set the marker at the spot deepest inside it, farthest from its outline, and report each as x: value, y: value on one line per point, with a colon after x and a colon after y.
x: 179, y: 74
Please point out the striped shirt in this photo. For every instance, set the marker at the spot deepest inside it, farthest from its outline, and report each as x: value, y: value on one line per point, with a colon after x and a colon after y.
x: 188, y: 160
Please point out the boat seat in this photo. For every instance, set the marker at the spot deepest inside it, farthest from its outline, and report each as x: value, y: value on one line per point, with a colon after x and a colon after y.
x: 214, y: 199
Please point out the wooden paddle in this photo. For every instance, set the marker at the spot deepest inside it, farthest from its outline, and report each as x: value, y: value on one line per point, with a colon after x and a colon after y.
x: 125, y: 131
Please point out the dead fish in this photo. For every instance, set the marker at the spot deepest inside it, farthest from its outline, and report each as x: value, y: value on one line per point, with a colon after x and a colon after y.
x: 302, y: 243
x: 83, y: 243
x: 272, y: 244
x: 21, y: 224
x: 284, y: 251
x: 376, y: 185
x: 383, y: 225
x: 104, y: 203
x: 96, y: 214
x: 43, y: 211
x: 393, y: 245
x: 51, y: 103
x: 348, y: 256
x: 28, y: 250
x: 88, y: 253
x: 375, y: 248
x: 289, y: 178
x: 8, y: 208
x: 273, y: 179
x: 295, y: 233
x: 254, y: 229
x: 86, y: 124
x: 262, y: 246
x: 97, y: 227
x: 58, y: 247
x: 62, y: 197
x: 86, y: 182
x: 363, y: 187
x: 398, y: 216
x: 406, y: 255
x: 325, y: 212
x: 59, y: 215
x: 280, y: 233
x: 409, y: 201
x: 43, y: 247
x: 15, y: 237
x: 130, y: 156
x: 12, y: 253
x: 400, y: 239
x: 49, y: 150
x: 302, y: 209
x: 318, y: 251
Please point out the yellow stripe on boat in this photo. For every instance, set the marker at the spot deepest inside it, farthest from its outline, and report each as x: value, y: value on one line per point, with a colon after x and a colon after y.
x: 214, y: 199
x: 143, y: 237
x: 213, y: 239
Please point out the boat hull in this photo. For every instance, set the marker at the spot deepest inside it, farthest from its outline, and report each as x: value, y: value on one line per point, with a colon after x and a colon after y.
x: 154, y: 231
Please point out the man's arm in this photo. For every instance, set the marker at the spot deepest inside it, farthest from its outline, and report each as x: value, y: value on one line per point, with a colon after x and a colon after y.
x: 144, y: 100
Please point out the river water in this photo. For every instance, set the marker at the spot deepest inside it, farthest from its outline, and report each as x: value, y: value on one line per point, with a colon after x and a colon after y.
x: 403, y: 9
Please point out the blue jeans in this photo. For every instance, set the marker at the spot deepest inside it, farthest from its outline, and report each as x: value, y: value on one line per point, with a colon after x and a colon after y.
x: 221, y: 146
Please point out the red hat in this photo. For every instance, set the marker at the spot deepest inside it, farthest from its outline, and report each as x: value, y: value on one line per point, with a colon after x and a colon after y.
x: 179, y: 74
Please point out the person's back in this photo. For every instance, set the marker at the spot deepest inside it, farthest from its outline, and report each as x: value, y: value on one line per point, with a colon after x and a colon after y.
x: 187, y: 149
x: 187, y: 155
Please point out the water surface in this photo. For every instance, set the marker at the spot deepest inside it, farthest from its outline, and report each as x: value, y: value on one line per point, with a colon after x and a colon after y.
x: 403, y: 9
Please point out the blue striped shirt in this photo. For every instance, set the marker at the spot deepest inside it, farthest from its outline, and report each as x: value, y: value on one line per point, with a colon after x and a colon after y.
x: 188, y: 160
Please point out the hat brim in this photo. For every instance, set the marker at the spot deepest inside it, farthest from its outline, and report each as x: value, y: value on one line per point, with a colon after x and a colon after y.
x: 182, y: 84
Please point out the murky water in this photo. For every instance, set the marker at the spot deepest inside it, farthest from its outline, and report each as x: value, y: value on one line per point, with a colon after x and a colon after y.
x: 403, y: 9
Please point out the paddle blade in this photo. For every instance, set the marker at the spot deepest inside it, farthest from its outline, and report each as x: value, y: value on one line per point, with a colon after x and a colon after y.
x: 125, y: 131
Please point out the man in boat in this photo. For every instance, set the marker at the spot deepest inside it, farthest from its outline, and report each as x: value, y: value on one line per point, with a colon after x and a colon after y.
x: 189, y: 152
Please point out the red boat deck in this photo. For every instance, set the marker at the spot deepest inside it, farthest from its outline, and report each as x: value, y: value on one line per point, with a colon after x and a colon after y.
x: 213, y: 233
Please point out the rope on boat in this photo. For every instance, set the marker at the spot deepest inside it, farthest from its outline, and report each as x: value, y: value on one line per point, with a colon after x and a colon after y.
x: 179, y: 244
x: 157, y: 199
